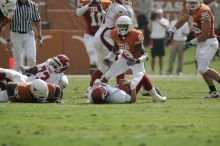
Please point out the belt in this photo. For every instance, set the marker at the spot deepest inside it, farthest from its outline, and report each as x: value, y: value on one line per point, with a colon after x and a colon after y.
x: 20, y: 32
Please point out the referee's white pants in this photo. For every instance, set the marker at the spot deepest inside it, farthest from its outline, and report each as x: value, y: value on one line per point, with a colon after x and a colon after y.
x: 23, y: 46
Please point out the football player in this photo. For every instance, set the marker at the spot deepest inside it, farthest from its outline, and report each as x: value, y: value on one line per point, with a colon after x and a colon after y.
x: 103, y: 42
x: 93, y: 12
x: 51, y: 71
x: 202, y: 23
x: 130, y: 42
x: 102, y: 93
x: 37, y: 91
x: 6, y: 11
x: 9, y: 75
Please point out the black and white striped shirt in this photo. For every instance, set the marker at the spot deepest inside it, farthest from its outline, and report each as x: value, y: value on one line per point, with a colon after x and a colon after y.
x: 24, y: 16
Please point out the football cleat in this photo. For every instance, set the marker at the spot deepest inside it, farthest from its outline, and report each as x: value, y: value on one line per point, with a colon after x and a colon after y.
x: 145, y: 93
x: 213, y: 94
x: 159, y: 98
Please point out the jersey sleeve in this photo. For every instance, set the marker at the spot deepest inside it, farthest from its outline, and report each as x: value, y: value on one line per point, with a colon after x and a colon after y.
x: 139, y: 38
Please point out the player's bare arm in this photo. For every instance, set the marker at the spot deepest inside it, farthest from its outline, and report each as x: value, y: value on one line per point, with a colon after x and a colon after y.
x: 182, y: 21
x: 143, y: 58
x: 206, y: 25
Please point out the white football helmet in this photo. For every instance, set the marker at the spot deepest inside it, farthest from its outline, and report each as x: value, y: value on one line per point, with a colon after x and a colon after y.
x: 39, y: 89
x: 63, y: 82
x: 193, y: 5
x: 123, y: 26
x: 7, y: 6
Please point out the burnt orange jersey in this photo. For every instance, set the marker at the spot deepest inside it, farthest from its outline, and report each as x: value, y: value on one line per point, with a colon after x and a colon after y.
x: 128, y: 44
x: 93, y: 17
x: 203, y: 14
x: 22, y: 93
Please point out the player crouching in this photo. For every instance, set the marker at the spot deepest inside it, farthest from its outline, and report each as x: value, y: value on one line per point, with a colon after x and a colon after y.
x: 37, y: 91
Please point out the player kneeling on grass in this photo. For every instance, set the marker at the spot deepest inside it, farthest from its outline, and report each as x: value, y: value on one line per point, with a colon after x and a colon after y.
x: 102, y: 93
x: 130, y: 42
x: 37, y: 91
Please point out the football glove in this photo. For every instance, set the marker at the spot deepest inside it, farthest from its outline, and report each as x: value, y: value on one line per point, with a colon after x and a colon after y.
x: 132, y: 61
x: 23, y: 68
x: 107, y: 62
x: 187, y: 45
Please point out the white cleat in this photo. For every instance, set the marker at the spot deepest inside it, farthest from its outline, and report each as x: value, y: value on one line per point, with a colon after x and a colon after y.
x: 159, y: 99
x: 213, y: 94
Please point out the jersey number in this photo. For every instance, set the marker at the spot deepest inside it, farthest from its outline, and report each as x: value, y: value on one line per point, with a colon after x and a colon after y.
x: 45, y: 73
x: 97, y: 15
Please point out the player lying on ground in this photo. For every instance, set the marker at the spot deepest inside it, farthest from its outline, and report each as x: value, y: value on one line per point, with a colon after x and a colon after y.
x: 202, y: 20
x: 130, y: 42
x: 6, y: 11
x: 51, y: 71
x: 124, y: 92
x: 102, y: 93
x: 37, y: 91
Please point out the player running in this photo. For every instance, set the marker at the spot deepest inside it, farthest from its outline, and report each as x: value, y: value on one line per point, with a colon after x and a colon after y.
x: 202, y: 23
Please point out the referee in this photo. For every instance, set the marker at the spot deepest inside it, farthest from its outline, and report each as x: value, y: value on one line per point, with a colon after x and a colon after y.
x: 22, y: 36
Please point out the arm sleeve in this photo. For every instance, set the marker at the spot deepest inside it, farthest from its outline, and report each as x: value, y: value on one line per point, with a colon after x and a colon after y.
x: 36, y: 14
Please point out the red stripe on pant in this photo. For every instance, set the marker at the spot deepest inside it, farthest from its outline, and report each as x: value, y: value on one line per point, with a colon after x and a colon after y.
x: 145, y: 82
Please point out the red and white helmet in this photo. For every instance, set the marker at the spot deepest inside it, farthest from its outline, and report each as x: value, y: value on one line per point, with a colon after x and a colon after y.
x: 7, y: 6
x: 124, y: 2
x: 99, y: 95
x: 59, y: 63
x: 193, y: 5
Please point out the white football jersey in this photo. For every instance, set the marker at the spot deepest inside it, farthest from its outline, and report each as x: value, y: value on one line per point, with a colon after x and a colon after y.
x: 115, y: 95
x: 46, y: 74
x: 13, y: 76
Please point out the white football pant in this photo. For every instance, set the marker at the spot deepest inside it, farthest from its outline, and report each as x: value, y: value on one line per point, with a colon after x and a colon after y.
x: 23, y: 46
x: 120, y: 66
x: 88, y: 42
x: 101, y: 49
x: 205, y: 52
x: 4, y: 96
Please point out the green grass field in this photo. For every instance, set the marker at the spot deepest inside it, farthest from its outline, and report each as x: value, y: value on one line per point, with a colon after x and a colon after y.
x: 185, y: 119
